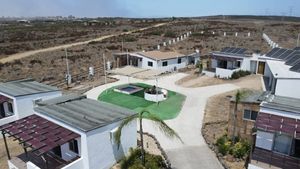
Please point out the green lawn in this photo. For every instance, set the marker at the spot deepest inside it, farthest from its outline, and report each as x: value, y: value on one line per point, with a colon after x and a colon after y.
x: 167, y: 109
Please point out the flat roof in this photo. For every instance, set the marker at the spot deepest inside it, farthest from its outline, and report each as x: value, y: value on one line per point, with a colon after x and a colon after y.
x: 82, y: 113
x: 25, y: 87
x: 230, y: 55
x: 282, y: 103
x: 252, y: 96
x: 158, y: 55
x: 280, y: 70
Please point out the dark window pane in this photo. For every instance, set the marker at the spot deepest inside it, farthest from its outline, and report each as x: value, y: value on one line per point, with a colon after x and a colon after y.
x: 179, y: 60
x: 282, y: 143
x: 247, y: 114
x: 165, y: 63
x: 254, y: 115
x: 150, y: 64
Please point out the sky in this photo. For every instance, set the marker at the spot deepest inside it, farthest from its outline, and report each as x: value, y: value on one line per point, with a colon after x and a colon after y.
x: 147, y: 8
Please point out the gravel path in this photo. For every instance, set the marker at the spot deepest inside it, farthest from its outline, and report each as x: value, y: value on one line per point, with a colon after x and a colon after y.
x: 193, y: 153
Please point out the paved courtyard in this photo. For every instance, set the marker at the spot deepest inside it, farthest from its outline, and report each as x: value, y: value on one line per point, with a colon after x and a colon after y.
x: 193, y: 153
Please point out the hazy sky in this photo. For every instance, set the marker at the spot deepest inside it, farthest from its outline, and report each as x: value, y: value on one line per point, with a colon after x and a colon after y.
x: 147, y: 8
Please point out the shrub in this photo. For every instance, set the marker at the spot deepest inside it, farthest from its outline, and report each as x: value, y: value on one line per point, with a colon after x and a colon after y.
x: 133, y: 161
x: 239, y: 150
x: 239, y: 74
x: 170, y: 34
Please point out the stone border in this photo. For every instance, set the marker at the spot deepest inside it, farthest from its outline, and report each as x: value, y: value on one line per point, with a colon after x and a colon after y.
x: 163, y: 153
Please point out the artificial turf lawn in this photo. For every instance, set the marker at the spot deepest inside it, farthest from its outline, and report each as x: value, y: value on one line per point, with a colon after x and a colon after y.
x: 167, y: 109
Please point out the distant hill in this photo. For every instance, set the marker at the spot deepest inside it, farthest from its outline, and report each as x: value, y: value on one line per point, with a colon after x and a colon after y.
x: 255, y: 17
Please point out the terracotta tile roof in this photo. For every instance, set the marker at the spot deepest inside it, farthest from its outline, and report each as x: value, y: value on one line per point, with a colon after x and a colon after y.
x: 158, y: 55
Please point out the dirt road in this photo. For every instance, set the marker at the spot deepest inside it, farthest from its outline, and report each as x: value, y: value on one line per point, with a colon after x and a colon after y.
x: 16, y: 56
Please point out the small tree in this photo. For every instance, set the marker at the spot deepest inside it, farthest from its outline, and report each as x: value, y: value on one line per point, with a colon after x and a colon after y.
x: 169, y: 132
x: 238, y: 97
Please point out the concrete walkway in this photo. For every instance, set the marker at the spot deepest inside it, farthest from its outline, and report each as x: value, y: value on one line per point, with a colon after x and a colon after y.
x: 194, y: 152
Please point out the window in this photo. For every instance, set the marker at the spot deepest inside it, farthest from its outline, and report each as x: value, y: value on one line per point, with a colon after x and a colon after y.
x: 282, y: 143
x: 264, y: 140
x: 73, y: 146
x: 165, y: 63
x: 10, y: 107
x: 179, y: 60
x: 250, y: 115
x: 150, y: 63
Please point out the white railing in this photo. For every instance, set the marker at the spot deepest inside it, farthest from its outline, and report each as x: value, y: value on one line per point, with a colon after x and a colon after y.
x: 77, y: 164
x: 225, y: 73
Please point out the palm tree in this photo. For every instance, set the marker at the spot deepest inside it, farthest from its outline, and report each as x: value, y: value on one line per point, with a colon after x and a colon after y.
x: 169, y: 132
x: 238, y: 97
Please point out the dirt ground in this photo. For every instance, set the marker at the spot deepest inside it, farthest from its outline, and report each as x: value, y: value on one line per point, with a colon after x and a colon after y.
x: 51, y: 66
x: 194, y: 80
x: 14, y: 149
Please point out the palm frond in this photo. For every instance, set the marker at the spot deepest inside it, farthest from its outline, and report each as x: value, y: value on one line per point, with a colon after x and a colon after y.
x: 125, y: 122
x: 168, y: 131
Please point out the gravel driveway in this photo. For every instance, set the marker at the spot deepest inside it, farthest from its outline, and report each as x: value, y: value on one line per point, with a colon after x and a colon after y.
x: 194, y: 152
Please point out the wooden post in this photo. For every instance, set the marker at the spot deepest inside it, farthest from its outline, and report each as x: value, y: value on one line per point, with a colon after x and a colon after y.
x: 6, y: 147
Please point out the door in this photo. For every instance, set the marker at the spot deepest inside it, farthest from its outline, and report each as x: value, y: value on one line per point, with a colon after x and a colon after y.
x: 2, y: 112
x: 261, y: 68
x: 57, y: 151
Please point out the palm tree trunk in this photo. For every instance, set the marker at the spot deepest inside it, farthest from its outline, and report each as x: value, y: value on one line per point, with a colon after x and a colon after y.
x: 142, y: 140
x: 234, y: 122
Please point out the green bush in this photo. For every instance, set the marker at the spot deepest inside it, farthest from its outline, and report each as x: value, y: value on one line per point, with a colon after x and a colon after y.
x: 239, y: 150
x: 170, y: 34
x: 133, y: 161
x: 239, y: 74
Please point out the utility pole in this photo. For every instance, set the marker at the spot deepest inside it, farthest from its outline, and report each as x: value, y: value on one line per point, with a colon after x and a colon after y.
x: 127, y: 57
x: 68, y: 71
x: 298, y: 40
x: 104, y: 67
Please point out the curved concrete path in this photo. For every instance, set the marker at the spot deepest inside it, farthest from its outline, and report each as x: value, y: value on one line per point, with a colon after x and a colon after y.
x: 194, y: 152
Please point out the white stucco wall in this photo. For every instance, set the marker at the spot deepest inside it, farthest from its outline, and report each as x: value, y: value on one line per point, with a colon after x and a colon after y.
x: 172, y: 63
x: 102, y: 152
x: 24, y: 104
x: 78, y: 164
x: 224, y: 73
x: 145, y: 61
x: 288, y: 88
x: 96, y: 148
x: 214, y: 63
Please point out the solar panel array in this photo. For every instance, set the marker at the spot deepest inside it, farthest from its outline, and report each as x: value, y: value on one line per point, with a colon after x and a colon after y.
x: 297, y: 48
x: 233, y: 50
x: 291, y: 57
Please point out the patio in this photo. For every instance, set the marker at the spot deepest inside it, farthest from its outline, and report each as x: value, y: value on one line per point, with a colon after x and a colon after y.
x: 40, y: 140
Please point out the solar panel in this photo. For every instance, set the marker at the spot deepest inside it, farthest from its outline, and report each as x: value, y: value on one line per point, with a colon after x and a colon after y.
x: 292, y: 60
x: 224, y: 49
x: 235, y: 50
x: 278, y: 53
x: 229, y: 50
x: 285, y: 54
x: 297, y: 48
x: 296, y: 68
x: 291, y: 55
x: 272, y: 52
x: 241, y: 51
